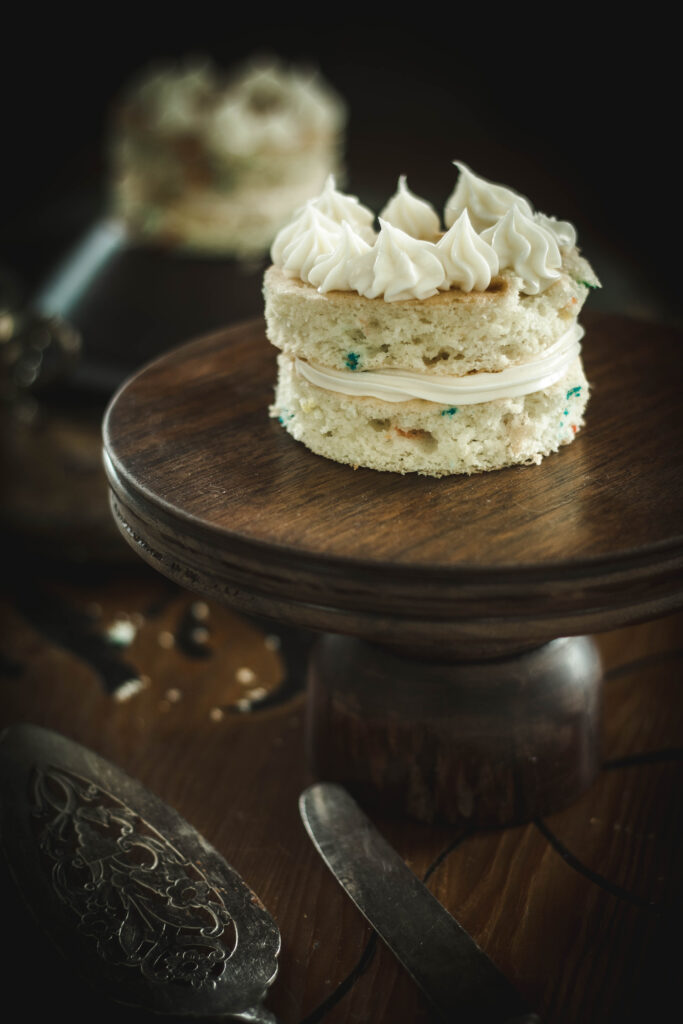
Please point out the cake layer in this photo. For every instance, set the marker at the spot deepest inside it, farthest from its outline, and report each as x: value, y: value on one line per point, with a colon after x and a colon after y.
x: 454, y: 332
x: 424, y: 437
x: 241, y: 222
x: 473, y: 388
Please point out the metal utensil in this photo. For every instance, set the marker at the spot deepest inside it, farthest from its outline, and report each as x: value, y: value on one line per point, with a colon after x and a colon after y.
x: 148, y: 910
x: 458, y: 978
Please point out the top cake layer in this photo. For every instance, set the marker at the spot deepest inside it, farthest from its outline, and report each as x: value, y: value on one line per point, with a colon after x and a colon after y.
x: 498, y: 288
x: 452, y: 332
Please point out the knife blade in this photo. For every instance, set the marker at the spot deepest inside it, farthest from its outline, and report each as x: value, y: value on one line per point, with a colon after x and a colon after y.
x: 458, y: 978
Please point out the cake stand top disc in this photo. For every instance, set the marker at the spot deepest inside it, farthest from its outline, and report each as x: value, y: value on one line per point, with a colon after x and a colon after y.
x: 219, y: 497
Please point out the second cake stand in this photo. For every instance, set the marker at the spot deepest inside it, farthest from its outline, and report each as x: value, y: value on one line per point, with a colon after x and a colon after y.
x: 454, y: 678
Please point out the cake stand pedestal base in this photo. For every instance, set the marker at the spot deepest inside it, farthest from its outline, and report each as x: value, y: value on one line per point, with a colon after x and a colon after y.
x: 488, y: 742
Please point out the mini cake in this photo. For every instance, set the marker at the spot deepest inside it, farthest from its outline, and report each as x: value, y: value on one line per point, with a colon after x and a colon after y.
x: 215, y: 165
x: 416, y: 349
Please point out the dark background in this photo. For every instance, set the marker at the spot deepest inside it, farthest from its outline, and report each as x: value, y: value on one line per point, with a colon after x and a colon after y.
x: 583, y: 119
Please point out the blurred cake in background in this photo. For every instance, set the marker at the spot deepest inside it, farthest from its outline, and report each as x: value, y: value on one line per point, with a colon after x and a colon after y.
x: 217, y: 164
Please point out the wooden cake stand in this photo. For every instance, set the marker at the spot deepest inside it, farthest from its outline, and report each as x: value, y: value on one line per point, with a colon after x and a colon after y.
x: 454, y: 678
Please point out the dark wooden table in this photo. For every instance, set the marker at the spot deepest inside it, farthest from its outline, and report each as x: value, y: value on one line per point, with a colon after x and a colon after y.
x: 580, y: 909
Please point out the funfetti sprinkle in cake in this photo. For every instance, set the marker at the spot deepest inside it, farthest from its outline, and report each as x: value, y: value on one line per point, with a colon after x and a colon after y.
x: 417, y: 348
x: 202, y: 161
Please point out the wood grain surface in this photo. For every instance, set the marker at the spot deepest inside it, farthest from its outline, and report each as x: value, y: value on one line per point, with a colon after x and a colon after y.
x: 581, y: 910
x: 217, y: 496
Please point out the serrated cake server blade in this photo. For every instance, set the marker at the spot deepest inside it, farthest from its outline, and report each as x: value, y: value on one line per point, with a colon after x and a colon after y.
x: 458, y: 978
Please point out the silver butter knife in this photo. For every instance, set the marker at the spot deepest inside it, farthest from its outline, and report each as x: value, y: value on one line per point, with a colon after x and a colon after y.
x: 457, y: 977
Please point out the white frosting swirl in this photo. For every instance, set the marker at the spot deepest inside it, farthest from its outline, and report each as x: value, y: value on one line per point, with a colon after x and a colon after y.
x: 331, y: 272
x: 485, y: 201
x: 317, y: 106
x: 299, y: 245
x: 526, y: 247
x: 403, y: 263
x: 397, y: 267
x: 415, y: 216
x: 564, y: 232
x: 340, y: 207
x: 268, y: 106
x: 232, y: 131
x: 405, y: 385
x: 173, y: 98
x: 468, y: 260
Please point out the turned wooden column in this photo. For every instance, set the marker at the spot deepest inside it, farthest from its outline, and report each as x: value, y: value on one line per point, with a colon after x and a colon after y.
x: 485, y: 742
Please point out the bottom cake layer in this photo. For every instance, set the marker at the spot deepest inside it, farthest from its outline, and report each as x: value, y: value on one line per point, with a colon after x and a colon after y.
x: 424, y: 437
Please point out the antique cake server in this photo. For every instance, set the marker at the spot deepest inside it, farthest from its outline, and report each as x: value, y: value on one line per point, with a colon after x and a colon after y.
x: 152, y: 915
x: 457, y: 977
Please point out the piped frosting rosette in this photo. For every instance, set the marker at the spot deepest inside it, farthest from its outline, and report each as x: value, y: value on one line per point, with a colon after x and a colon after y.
x: 331, y: 242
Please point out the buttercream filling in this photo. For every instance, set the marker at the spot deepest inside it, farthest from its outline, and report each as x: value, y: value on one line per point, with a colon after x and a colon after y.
x: 403, y: 385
